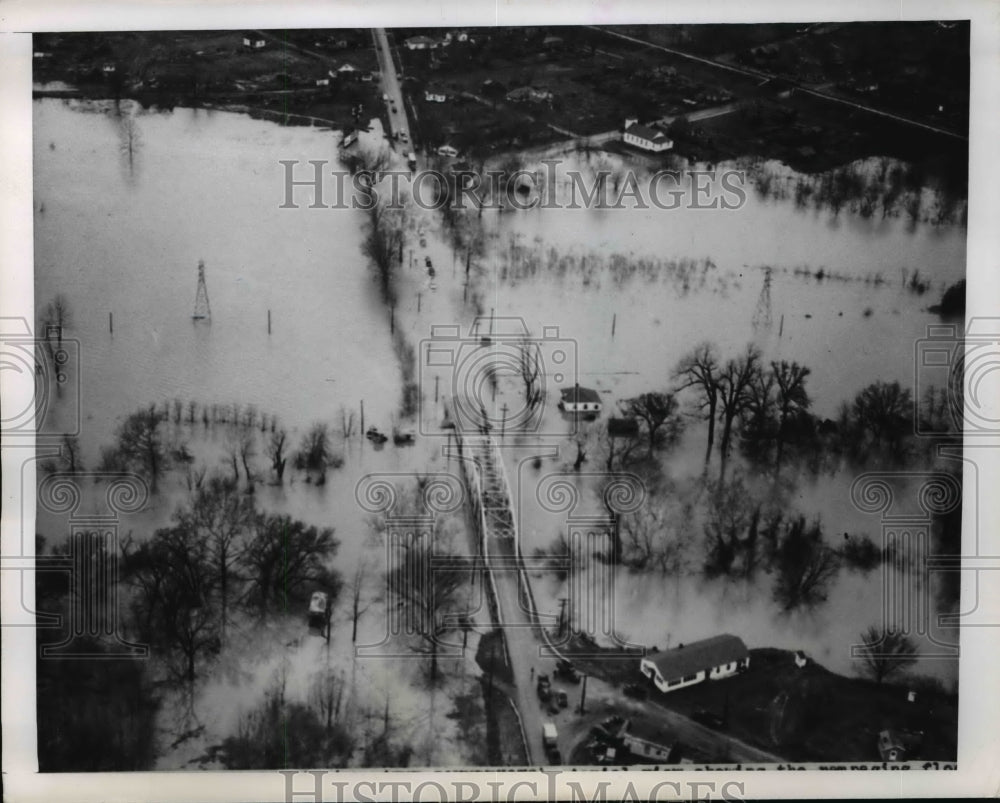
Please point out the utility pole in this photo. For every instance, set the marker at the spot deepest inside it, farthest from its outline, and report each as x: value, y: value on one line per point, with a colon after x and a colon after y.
x: 583, y: 696
x: 437, y: 379
x: 503, y: 421
x: 614, y: 320
x: 269, y: 321
x: 111, y: 323
x: 562, y: 615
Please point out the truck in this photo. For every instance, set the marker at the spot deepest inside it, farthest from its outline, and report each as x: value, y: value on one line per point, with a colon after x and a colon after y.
x: 549, y: 736
x: 544, y: 688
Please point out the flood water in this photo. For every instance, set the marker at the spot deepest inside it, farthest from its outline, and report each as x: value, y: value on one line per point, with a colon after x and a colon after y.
x: 121, y: 230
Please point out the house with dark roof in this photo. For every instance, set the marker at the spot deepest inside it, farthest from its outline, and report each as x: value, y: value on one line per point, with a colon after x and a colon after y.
x: 647, y: 137
x: 580, y: 400
x: 712, y: 658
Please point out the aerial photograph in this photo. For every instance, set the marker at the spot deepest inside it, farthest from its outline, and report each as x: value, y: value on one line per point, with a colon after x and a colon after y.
x: 499, y: 397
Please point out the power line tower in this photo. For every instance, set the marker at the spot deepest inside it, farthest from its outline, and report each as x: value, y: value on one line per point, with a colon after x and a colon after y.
x: 762, y: 314
x: 202, y: 310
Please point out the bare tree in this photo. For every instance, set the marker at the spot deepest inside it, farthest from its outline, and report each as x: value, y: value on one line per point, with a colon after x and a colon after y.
x: 804, y: 565
x: 886, y: 654
x: 247, y: 453
x: 792, y: 398
x: 733, y: 385
x: 658, y: 411
x: 276, y: 452
x: 140, y: 444
x: 530, y: 368
x: 221, y: 517
x: 700, y: 370
x: 359, y: 605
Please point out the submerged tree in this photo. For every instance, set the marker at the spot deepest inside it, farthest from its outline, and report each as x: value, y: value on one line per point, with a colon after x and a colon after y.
x: 804, y: 565
x: 792, y: 399
x: 140, y: 444
x: 699, y: 370
x: 658, y: 411
x: 735, y: 380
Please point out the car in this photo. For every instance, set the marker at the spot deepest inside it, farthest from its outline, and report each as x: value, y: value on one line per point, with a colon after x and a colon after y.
x: 637, y: 691
x: 385, y: 96
x: 428, y: 263
x: 403, y: 137
x: 554, y: 756
x: 393, y: 108
x: 566, y: 671
x: 562, y: 698
x: 543, y: 687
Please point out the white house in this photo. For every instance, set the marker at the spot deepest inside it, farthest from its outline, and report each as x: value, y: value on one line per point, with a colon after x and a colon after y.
x: 712, y: 659
x: 108, y: 68
x: 322, y: 82
x: 420, y: 43
x: 346, y: 68
x: 254, y: 41
x: 579, y: 400
x: 647, y: 137
x: 434, y: 96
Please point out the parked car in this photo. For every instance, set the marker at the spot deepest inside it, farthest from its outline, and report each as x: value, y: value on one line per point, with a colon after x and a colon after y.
x: 375, y: 436
x: 562, y: 698
x: 543, y: 687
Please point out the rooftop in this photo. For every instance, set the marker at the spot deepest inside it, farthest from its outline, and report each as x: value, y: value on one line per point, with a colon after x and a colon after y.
x: 645, y: 132
x: 579, y: 395
x: 699, y: 655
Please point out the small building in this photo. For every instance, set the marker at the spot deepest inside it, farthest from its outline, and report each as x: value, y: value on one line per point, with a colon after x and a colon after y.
x: 420, y: 43
x: 528, y: 93
x: 254, y: 41
x: 448, y: 150
x: 346, y: 68
x: 647, y: 137
x: 107, y: 69
x: 322, y: 82
x: 647, y: 744
x: 434, y: 96
x: 712, y: 658
x: 349, y: 138
x: 367, y: 77
x: 580, y: 400
x: 801, y: 659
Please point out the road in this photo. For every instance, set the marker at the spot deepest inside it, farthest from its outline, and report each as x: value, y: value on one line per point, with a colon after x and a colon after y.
x: 751, y: 73
x: 399, y: 125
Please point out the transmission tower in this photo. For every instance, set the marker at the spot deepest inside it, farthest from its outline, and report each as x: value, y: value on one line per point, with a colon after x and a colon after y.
x: 202, y: 310
x: 762, y: 314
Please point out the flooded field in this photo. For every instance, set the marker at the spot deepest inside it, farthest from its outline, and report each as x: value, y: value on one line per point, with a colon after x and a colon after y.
x: 126, y: 206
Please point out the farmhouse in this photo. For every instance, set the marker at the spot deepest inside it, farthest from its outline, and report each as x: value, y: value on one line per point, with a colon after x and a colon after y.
x: 579, y: 400
x: 647, y: 137
x: 647, y: 744
x: 254, y: 41
x: 420, y: 43
x: 712, y: 658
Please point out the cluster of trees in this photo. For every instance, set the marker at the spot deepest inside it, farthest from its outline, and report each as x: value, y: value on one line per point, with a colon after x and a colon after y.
x: 145, y: 445
x: 220, y: 561
x: 764, y: 409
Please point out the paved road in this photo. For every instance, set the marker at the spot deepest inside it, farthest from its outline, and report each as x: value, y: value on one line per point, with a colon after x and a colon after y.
x: 752, y: 73
x: 399, y: 126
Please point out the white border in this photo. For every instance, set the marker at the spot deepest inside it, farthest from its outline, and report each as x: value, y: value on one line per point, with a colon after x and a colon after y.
x: 979, y: 744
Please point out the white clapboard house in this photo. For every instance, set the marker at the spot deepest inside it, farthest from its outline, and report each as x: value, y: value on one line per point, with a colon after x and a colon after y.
x: 709, y: 659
